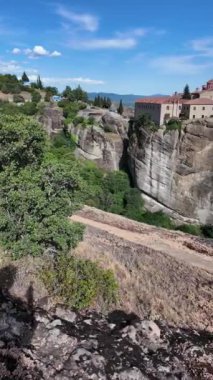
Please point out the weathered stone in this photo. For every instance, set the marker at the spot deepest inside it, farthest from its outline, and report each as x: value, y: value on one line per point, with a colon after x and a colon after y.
x: 131, y: 374
x: 174, y: 171
x: 52, y: 119
x: 149, y: 329
x: 66, y: 351
x: 67, y: 315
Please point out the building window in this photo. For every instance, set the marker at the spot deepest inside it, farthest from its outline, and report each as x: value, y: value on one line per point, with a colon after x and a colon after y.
x: 203, y: 116
x: 167, y: 116
x: 203, y: 108
x: 167, y: 107
x: 193, y: 116
x: 179, y: 107
x: 194, y: 108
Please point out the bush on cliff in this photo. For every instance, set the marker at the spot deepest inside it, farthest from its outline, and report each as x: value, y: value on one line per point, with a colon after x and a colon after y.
x: 79, y: 283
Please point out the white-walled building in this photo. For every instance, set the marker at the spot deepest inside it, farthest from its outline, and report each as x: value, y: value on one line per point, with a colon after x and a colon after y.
x: 163, y: 108
x: 198, y: 108
x: 160, y: 109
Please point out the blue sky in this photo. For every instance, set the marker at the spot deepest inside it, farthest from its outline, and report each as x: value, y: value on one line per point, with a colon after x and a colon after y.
x: 129, y: 46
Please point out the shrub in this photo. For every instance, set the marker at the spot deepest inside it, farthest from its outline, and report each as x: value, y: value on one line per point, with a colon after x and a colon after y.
x: 36, y: 97
x: 79, y: 283
x: 173, y: 125
x: 192, y: 229
x: 158, y: 219
x: 146, y: 122
x: 29, y: 109
x: 78, y: 120
x: 207, y: 231
x: 109, y: 129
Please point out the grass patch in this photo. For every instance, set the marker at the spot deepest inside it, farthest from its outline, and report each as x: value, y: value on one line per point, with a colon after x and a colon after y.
x: 79, y: 283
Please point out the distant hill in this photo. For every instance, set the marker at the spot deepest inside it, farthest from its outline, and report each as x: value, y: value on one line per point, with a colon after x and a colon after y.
x: 128, y: 99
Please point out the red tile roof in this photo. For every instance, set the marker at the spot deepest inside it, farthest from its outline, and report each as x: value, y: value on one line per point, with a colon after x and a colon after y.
x: 200, y: 101
x: 161, y: 100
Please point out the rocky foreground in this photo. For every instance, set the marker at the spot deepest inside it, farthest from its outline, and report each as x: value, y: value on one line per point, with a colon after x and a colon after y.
x: 61, y: 344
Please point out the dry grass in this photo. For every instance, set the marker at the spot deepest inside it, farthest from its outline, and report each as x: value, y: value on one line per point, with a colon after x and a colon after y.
x: 151, y: 283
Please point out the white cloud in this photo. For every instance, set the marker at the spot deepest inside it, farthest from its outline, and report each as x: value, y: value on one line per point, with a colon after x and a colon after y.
x: 40, y: 51
x: 131, y: 33
x: 182, y: 64
x: 16, y: 51
x: 203, y: 46
x: 84, y: 20
x: 10, y: 67
x: 64, y: 81
x: 36, y: 52
x: 55, y: 53
x: 113, y: 43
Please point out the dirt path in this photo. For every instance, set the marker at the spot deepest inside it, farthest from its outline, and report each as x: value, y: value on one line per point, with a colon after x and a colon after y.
x: 163, y: 244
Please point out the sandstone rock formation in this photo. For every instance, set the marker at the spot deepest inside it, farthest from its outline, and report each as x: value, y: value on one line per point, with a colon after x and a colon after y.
x: 52, y: 119
x: 103, y: 142
x: 63, y: 345
x: 174, y: 171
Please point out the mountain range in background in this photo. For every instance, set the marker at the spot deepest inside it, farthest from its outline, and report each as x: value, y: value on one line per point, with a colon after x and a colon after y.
x: 128, y: 99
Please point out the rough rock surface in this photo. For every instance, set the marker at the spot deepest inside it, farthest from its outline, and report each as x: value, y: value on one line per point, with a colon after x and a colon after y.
x: 105, y: 142
x: 63, y: 345
x: 52, y: 119
x: 175, y: 171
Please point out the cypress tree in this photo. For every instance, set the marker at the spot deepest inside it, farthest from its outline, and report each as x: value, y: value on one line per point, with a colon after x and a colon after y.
x: 186, y: 92
x: 120, y: 108
x: 24, y: 78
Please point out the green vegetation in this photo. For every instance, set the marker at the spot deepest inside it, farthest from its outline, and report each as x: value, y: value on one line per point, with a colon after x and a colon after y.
x: 145, y: 121
x: 40, y: 186
x: 173, y: 125
x: 102, y: 102
x: 80, y: 282
x: 76, y: 94
x: 120, y: 108
x: 186, y: 92
x: 192, y: 229
x: 36, y: 97
x: 10, y: 84
x: 70, y: 111
x: 24, y: 78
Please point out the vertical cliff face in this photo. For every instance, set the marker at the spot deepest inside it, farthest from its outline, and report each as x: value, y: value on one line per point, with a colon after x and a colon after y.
x: 174, y: 170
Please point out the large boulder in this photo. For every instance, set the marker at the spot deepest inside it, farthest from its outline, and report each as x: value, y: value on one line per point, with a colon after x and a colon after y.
x: 52, y: 119
x: 174, y: 170
x: 104, y: 142
x: 106, y: 149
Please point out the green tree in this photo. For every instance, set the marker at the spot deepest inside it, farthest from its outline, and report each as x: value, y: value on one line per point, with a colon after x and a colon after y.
x: 22, y: 141
x: 121, y: 108
x: 29, y: 108
x: 24, y: 78
x: 68, y: 94
x: 39, y: 83
x: 36, y: 97
x: 79, y: 94
x: 186, y: 92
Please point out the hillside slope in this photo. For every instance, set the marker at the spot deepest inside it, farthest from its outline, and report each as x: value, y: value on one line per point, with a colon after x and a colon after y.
x: 161, y: 273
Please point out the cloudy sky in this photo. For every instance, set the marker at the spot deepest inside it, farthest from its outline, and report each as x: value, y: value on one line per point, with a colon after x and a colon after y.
x: 129, y: 46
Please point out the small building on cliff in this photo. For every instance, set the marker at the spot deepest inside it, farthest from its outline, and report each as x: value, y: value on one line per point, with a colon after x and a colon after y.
x: 198, y: 108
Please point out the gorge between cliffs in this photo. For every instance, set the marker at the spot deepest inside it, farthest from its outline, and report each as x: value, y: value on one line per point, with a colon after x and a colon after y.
x: 172, y: 169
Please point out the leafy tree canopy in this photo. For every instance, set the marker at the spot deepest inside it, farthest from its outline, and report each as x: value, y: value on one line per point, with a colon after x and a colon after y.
x: 22, y: 141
